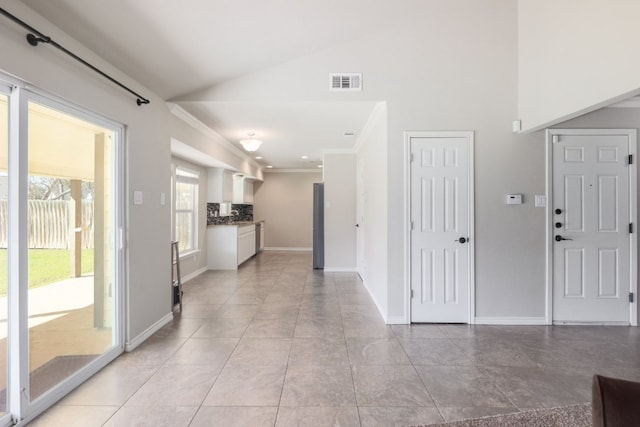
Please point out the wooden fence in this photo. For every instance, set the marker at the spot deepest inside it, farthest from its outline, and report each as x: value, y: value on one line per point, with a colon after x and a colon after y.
x: 49, y: 226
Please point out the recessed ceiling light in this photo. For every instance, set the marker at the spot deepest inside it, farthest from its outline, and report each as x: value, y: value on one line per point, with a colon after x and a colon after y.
x: 304, y: 157
x: 258, y: 157
x: 351, y: 133
x: 320, y: 166
x: 269, y: 166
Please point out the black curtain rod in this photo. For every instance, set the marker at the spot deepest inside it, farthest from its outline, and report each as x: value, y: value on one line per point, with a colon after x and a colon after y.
x: 39, y: 37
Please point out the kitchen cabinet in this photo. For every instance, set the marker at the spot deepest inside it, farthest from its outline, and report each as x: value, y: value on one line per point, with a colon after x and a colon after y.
x: 219, y: 185
x: 246, y: 242
x: 242, y: 190
x: 228, y: 246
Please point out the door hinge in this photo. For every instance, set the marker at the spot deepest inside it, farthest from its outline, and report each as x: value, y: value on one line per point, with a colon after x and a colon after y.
x: 411, y: 293
x: 631, y: 228
x: 555, y: 138
x: 630, y: 296
x: 411, y: 225
x: 410, y: 157
x: 630, y: 159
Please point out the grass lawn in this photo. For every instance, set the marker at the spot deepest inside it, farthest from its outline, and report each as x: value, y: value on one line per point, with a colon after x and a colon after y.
x: 46, y: 266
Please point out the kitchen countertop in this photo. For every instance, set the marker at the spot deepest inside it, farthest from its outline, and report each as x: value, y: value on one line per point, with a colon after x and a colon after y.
x: 235, y: 223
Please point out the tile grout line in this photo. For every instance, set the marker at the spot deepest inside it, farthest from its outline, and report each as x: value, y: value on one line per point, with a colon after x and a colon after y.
x: 353, y: 382
x: 286, y: 369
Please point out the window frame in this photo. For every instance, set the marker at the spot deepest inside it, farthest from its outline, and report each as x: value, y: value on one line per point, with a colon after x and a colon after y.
x: 184, y: 175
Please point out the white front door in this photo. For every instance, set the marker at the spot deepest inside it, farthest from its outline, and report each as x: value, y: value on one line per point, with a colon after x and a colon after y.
x: 591, y: 213
x: 441, y: 206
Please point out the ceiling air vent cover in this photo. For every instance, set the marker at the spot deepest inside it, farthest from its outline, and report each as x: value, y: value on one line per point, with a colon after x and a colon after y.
x: 345, y: 82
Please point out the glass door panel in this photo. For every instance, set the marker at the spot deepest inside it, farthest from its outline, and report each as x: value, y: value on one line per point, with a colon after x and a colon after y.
x: 71, y: 235
x: 4, y: 144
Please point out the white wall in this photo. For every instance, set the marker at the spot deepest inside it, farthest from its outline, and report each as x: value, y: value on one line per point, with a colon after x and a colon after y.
x: 575, y: 56
x: 339, y: 173
x: 452, y: 67
x: 371, y: 163
x: 149, y: 129
x: 285, y: 202
x: 194, y: 264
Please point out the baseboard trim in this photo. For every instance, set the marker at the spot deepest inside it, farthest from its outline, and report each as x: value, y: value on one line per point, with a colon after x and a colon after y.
x: 382, y: 312
x: 510, y: 321
x: 341, y: 269
x: 396, y: 320
x: 573, y: 323
x: 132, y: 344
x: 275, y: 248
x: 195, y: 274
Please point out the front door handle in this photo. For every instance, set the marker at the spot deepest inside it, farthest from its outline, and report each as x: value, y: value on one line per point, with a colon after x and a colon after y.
x: 560, y: 238
x: 462, y: 240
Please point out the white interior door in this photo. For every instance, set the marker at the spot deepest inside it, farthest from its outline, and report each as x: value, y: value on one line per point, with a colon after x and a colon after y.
x: 591, y: 216
x: 441, y: 206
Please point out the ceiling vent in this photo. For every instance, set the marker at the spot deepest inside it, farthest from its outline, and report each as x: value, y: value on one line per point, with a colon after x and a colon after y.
x: 345, y: 82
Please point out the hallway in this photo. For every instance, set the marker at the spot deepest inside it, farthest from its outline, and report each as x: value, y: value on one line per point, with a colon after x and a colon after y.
x: 277, y: 343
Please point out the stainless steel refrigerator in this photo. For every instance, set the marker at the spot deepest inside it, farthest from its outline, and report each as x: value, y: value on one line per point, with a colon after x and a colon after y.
x: 318, y: 225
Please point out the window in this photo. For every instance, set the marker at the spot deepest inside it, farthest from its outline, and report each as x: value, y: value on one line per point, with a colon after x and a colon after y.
x: 186, y: 199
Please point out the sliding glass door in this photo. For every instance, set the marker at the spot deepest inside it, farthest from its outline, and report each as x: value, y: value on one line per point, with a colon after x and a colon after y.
x: 71, y: 231
x: 61, y: 257
x: 4, y: 182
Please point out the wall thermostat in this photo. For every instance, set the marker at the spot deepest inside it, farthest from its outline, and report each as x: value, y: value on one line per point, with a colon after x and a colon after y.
x: 513, y: 199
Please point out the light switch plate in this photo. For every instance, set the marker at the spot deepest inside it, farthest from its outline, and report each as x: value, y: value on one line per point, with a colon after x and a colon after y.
x: 540, y: 201
x: 137, y: 197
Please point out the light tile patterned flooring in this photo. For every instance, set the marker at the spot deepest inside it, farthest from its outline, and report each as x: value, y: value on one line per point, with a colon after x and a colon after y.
x: 277, y: 343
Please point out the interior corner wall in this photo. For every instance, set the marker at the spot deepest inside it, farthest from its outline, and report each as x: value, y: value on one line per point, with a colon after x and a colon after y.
x: 284, y: 200
x: 339, y: 172
x: 371, y: 182
x: 193, y: 264
x: 575, y: 56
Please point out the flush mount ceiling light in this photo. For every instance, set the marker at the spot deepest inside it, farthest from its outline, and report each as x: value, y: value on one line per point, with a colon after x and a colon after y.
x: 250, y: 144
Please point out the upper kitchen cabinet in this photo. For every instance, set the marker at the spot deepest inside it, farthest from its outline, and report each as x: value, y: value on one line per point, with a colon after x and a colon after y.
x: 242, y: 189
x: 219, y: 185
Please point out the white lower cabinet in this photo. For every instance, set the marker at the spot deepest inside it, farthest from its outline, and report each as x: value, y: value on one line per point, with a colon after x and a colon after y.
x: 228, y: 246
x: 246, y: 242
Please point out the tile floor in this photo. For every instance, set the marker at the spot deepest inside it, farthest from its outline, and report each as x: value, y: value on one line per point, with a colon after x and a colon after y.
x: 277, y: 343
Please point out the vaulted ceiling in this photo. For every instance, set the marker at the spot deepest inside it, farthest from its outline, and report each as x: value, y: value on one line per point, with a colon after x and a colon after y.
x: 181, y: 49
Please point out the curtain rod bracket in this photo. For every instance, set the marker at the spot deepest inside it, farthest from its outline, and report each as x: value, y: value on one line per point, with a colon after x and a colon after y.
x: 34, y: 40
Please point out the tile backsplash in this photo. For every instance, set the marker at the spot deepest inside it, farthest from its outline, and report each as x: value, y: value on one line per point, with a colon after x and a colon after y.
x: 245, y: 213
